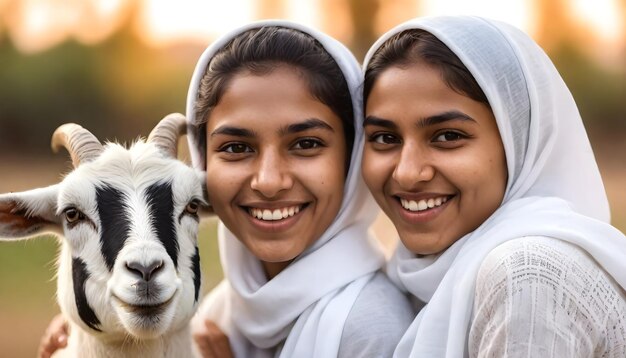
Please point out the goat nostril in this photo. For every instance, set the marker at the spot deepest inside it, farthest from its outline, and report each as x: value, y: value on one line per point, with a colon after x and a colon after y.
x: 145, y: 272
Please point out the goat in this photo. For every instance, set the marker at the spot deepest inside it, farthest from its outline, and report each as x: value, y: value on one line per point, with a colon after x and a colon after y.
x: 128, y: 275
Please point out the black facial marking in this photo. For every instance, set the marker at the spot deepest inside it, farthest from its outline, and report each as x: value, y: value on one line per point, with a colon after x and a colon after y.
x: 79, y: 276
x: 195, y: 261
x: 161, y: 205
x: 115, y: 223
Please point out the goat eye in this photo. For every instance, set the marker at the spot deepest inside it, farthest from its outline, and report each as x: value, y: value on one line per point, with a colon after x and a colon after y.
x: 192, y: 208
x: 72, y: 215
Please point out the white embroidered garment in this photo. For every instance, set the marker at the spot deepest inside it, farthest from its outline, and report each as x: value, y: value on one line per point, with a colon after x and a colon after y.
x: 544, y: 297
x: 301, y: 311
x: 554, y: 188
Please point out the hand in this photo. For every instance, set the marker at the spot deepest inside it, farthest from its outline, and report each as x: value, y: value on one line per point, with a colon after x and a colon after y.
x: 54, y: 338
x: 212, y: 342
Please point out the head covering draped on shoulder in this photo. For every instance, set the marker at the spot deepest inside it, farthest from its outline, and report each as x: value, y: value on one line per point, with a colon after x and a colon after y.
x: 554, y: 187
x: 304, y: 306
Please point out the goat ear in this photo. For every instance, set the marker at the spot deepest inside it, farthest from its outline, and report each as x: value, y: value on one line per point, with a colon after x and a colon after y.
x: 28, y: 214
x: 206, y: 211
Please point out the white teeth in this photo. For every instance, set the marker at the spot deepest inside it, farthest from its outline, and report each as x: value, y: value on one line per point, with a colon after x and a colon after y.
x: 273, y: 215
x: 422, y: 205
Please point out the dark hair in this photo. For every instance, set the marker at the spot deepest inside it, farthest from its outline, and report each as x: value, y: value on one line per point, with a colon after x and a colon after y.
x: 414, y: 45
x: 260, y: 51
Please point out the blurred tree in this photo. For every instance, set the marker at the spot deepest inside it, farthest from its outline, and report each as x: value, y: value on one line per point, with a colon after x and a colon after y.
x: 363, y: 13
x: 118, y: 89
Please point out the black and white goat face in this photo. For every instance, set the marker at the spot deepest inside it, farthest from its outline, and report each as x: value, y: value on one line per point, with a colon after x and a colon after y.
x: 129, y: 263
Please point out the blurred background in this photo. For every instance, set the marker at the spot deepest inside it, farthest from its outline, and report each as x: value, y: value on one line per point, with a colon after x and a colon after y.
x: 118, y: 66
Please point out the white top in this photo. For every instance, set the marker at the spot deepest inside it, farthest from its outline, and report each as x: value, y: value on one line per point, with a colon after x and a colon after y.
x: 543, y: 297
x: 554, y: 189
x: 377, y: 321
x: 303, y: 309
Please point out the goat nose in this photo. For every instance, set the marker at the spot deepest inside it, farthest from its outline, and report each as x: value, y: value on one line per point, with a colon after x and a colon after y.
x: 146, y: 272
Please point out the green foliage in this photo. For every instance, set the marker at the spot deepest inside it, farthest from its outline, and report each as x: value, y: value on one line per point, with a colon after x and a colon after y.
x: 118, y: 89
x: 599, y: 91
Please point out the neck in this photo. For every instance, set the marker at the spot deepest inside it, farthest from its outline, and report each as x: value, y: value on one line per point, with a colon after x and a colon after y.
x: 274, y: 268
x: 171, y: 344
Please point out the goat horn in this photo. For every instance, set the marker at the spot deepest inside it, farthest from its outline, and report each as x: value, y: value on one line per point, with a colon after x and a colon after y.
x: 165, y: 135
x: 79, y: 142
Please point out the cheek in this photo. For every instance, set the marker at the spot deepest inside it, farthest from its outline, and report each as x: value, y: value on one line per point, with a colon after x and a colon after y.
x: 373, y: 170
x: 223, y: 183
x: 325, y: 177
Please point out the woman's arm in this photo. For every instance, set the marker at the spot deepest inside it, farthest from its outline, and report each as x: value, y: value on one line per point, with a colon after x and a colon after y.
x: 211, y: 341
x: 54, y: 338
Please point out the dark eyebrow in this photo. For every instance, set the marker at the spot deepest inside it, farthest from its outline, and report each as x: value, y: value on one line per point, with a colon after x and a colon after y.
x: 379, y: 122
x: 233, y: 131
x: 311, y: 123
x: 444, y: 117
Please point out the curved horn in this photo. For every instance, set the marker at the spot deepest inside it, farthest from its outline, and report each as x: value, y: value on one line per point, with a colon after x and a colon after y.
x: 165, y: 135
x: 79, y: 142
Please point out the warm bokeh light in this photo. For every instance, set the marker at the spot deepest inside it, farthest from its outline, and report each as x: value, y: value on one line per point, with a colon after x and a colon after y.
x: 162, y: 22
x: 36, y: 25
x: 603, y: 17
x: 515, y: 12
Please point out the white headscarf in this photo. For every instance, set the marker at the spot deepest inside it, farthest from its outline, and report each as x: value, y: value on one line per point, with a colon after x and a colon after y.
x: 554, y: 187
x: 308, y: 302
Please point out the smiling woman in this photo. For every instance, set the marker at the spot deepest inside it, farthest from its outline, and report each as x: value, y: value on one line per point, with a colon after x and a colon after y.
x: 273, y: 112
x: 477, y: 153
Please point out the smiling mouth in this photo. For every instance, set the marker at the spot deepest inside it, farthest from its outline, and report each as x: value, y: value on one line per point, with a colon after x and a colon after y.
x: 275, y: 214
x: 145, y: 309
x: 424, y: 204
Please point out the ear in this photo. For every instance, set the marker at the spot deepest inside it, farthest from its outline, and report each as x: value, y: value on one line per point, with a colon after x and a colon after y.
x: 206, y: 211
x: 28, y: 214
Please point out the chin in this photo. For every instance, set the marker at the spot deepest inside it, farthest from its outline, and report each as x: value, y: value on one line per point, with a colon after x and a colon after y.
x: 420, y: 244
x: 147, y: 322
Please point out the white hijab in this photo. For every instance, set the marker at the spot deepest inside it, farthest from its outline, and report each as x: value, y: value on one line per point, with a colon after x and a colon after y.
x: 305, y: 305
x: 554, y: 188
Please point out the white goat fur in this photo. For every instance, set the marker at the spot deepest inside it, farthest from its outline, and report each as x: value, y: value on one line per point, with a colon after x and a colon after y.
x: 131, y: 171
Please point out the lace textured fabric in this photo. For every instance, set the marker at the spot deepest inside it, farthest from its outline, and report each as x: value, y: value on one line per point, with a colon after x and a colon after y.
x: 544, y: 297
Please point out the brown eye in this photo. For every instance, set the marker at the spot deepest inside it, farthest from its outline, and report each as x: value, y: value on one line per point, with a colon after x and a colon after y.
x: 72, y: 216
x: 192, y: 208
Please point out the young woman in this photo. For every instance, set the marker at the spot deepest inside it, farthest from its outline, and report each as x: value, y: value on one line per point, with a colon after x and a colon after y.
x: 476, y: 151
x: 275, y: 119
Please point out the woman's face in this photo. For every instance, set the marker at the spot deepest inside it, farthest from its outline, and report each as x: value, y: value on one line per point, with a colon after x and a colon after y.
x: 275, y: 164
x: 433, y: 158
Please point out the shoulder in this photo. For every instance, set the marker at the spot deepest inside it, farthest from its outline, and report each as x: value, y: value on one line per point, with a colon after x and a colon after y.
x: 380, y: 316
x: 538, y: 259
x: 541, y: 284
x: 546, y: 263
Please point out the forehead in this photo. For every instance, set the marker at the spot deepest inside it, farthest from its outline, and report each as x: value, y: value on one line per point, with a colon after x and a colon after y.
x: 269, y: 101
x: 417, y: 91
x: 128, y: 170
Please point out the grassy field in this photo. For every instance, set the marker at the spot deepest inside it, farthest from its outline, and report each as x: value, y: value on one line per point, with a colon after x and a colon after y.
x: 27, y: 282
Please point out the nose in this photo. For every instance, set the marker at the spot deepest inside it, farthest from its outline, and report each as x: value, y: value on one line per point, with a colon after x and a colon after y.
x: 144, y: 271
x: 271, y: 175
x: 413, y: 167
